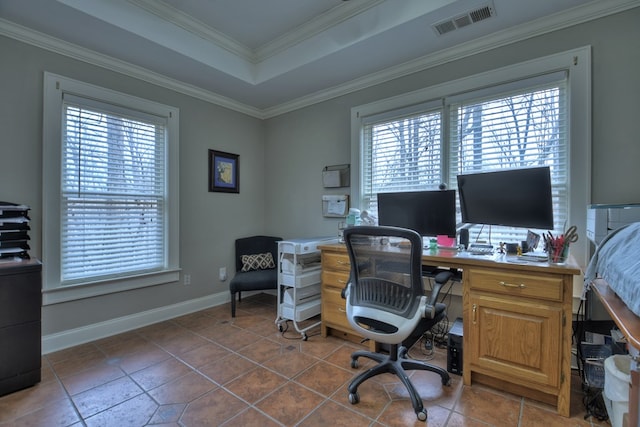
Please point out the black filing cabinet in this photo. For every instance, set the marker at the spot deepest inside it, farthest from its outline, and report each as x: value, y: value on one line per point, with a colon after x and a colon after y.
x: 20, y: 330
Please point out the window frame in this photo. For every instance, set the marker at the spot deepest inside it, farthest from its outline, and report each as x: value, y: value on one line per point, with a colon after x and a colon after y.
x: 576, y: 63
x: 53, y: 291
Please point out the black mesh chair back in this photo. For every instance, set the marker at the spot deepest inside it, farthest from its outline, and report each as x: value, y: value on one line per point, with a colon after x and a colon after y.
x: 385, y: 293
x: 386, y: 302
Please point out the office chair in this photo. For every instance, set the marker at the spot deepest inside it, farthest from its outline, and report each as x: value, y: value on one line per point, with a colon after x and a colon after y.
x: 385, y: 301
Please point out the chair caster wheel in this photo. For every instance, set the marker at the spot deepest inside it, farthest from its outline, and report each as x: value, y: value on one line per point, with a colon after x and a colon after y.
x: 354, y: 398
x: 354, y: 363
x: 446, y: 382
x: 304, y: 337
x: 279, y: 328
x: 422, y: 415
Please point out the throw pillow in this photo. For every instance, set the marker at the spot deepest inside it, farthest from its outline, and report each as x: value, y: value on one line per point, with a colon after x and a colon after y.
x: 257, y: 262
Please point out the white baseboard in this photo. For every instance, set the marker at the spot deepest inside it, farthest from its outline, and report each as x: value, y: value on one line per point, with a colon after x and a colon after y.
x: 73, y: 337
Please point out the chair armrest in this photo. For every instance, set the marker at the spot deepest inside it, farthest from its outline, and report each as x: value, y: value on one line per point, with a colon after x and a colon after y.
x: 439, y: 281
x: 428, y: 311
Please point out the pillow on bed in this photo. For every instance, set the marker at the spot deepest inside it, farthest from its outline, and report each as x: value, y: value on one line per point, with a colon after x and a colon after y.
x: 257, y: 262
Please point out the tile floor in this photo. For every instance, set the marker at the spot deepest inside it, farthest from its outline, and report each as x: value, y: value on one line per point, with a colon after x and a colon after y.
x: 207, y: 369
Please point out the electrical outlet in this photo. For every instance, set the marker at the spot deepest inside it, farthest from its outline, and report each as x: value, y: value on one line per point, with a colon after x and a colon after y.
x: 223, y: 274
x: 187, y: 279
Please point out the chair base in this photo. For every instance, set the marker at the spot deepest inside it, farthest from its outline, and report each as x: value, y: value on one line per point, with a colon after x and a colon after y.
x: 395, y: 363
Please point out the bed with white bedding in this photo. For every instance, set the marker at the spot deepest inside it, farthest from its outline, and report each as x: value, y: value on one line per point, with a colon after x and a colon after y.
x: 617, y: 261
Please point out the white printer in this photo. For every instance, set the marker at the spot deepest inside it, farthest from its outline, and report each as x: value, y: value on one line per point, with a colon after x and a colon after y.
x: 603, y: 218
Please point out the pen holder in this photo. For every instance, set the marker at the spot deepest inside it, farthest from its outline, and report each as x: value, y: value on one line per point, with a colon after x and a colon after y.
x: 558, y: 255
x: 558, y: 247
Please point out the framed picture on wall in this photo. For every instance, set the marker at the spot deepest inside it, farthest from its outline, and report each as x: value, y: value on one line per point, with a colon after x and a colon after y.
x: 224, y: 173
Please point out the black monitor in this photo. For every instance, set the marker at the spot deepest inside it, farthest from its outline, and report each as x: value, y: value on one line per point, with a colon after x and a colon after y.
x: 512, y: 197
x: 430, y: 213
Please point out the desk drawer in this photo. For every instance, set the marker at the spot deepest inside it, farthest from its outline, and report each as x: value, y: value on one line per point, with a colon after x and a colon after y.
x: 335, y: 279
x: 334, y: 310
x: 335, y: 261
x: 546, y: 287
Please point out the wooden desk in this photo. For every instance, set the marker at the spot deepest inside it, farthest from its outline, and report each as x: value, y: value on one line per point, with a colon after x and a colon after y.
x: 516, y: 317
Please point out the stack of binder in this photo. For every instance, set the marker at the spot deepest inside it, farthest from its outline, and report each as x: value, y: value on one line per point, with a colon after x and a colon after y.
x: 14, y: 231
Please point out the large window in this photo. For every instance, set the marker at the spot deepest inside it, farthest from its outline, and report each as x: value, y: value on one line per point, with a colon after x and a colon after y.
x: 114, y: 212
x: 516, y: 117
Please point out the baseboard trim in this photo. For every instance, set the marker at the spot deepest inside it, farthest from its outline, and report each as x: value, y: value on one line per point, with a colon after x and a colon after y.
x: 72, y: 337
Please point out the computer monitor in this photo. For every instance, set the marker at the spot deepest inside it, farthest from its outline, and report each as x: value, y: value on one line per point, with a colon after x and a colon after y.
x: 513, y: 197
x: 430, y: 213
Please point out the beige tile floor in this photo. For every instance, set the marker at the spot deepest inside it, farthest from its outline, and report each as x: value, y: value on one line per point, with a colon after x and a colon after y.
x: 207, y: 369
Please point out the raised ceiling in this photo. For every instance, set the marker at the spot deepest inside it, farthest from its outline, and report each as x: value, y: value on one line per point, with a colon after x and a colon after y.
x: 264, y: 57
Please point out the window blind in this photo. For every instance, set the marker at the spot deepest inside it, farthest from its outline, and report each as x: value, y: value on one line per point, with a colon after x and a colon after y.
x: 516, y: 129
x: 402, y: 154
x: 113, y: 191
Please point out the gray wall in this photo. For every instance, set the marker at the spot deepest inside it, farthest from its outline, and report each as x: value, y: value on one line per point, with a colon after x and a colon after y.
x: 282, y: 158
x: 209, y: 222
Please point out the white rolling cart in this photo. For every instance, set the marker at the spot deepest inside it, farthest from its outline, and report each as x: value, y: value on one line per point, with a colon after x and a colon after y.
x: 299, y: 272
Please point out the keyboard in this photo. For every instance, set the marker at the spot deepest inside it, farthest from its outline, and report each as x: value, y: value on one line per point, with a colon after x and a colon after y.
x: 480, y: 249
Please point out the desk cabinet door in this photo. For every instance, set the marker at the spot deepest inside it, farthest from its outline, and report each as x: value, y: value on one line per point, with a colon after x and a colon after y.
x: 515, y: 339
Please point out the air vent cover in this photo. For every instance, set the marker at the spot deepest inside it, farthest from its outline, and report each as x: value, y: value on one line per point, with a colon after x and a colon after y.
x: 471, y: 17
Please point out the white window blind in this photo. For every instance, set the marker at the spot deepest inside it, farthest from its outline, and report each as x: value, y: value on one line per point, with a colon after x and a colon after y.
x: 521, y: 128
x: 113, y: 191
x: 401, y: 153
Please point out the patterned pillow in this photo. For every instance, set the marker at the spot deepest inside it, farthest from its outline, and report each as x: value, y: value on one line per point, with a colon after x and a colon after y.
x: 257, y: 262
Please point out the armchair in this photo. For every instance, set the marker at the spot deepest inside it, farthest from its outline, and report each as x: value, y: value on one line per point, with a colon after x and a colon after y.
x: 256, y: 260
x: 385, y: 301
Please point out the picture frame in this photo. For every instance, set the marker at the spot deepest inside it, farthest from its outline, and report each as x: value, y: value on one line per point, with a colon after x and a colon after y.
x: 224, y: 172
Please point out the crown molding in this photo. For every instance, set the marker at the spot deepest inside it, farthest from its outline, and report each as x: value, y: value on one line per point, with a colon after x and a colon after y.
x: 318, y: 25
x: 558, y: 21
x: 52, y: 44
x: 195, y: 27
x: 594, y: 10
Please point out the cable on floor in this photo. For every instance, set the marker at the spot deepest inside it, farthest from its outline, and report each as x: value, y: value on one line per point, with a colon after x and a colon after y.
x: 298, y: 337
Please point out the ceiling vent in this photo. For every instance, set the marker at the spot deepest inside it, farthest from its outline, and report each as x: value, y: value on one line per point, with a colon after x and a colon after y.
x: 471, y: 17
